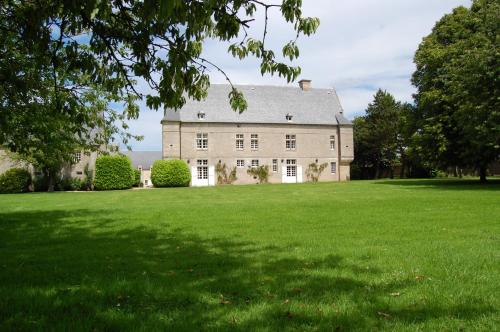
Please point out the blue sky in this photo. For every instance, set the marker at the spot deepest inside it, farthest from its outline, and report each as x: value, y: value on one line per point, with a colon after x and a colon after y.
x: 361, y: 46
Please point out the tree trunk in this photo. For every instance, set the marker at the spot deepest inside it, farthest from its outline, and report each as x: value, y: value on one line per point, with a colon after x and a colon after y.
x: 482, y: 174
x: 377, y: 170
x: 51, y: 182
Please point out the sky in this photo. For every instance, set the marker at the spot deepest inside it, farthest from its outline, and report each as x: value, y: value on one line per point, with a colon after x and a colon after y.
x: 360, y: 46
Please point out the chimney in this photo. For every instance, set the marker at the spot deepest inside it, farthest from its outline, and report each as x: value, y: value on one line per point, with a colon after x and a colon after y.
x: 305, y: 85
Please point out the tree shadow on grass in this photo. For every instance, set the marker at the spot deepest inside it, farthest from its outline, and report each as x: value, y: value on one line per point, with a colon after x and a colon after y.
x: 444, y: 184
x: 76, y: 270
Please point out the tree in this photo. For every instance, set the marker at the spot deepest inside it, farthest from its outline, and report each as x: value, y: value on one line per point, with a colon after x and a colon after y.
x: 63, y: 62
x: 458, y: 97
x: 377, y: 139
x: 113, y: 43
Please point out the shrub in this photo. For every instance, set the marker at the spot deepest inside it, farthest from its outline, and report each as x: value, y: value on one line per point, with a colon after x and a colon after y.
x: 225, y: 175
x: 313, y: 171
x: 137, y: 178
x: 15, y: 180
x: 71, y: 184
x: 113, y: 172
x: 261, y: 173
x: 170, y: 173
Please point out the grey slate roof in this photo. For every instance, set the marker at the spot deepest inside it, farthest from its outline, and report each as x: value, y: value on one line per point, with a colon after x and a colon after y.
x: 145, y: 159
x: 266, y: 104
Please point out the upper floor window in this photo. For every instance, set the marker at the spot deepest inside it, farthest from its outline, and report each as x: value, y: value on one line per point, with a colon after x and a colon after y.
x: 289, y: 117
x: 332, y: 142
x: 240, y: 142
x: 290, y: 142
x: 202, y: 141
x: 255, y: 163
x: 254, y: 141
x: 77, y: 157
x: 275, y: 165
x: 201, y: 115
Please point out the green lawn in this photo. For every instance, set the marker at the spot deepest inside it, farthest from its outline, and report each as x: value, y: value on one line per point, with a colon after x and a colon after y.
x: 409, y: 255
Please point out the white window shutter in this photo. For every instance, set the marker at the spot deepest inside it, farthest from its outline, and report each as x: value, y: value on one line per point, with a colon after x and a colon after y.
x: 194, y: 176
x: 299, y: 174
x: 211, y: 175
x: 283, y: 174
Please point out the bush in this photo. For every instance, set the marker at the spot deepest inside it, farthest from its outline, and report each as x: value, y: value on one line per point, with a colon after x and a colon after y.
x: 261, y: 173
x: 71, y: 184
x: 170, y: 173
x: 137, y: 178
x: 113, y: 172
x: 15, y: 180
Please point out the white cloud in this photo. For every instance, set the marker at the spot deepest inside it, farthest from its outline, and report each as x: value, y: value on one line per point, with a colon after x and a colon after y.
x: 361, y: 45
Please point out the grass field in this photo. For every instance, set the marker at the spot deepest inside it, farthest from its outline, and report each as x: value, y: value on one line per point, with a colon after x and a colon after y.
x: 405, y: 255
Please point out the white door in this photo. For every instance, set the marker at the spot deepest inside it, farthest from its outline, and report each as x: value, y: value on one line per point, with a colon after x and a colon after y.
x: 199, y: 174
x: 290, y: 171
x: 211, y: 175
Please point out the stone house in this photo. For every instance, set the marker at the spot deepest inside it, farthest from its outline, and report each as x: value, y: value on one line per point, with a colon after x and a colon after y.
x: 143, y: 161
x: 286, y: 128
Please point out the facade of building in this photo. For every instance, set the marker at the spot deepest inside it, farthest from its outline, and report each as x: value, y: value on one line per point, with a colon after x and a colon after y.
x: 143, y: 161
x: 285, y: 128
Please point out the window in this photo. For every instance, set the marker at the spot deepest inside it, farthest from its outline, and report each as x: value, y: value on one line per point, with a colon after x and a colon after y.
x: 275, y: 165
x: 77, y: 157
x: 289, y: 117
x: 255, y: 163
x: 254, y: 142
x: 290, y: 142
x: 202, y: 169
x: 240, y: 163
x: 146, y: 182
x: 333, y: 167
x: 239, y: 142
x: 332, y: 142
x: 201, y: 115
x: 291, y: 168
x: 202, y: 141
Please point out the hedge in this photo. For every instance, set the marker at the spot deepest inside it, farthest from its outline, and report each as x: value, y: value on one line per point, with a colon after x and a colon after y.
x: 170, y: 173
x: 15, y: 180
x: 113, y: 172
x: 137, y: 178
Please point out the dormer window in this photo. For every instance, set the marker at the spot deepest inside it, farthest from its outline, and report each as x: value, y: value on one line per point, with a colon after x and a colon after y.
x: 289, y: 117
x: 201, y: 115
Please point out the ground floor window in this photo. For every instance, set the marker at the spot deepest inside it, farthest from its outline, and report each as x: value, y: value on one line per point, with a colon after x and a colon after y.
x: 333, y: 167
x: 255, y: 163
x: 275, y: 165
x: 291, y: 167
x: 240, y: 163
x: 202, y: 169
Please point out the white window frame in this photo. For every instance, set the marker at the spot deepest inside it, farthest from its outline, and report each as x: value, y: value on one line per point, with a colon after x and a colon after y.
x: 240, y: 142
x: 254, y: 141
x: 275, y: 165
x: 77, y: 157
x: 332, y: 142
x: 201, y: 141
x: 333, y: 167
x: 202, y: 169
x: 291, y: 167
x: 255, y: 163
x: 240, y: 163
x: 291, y: 142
